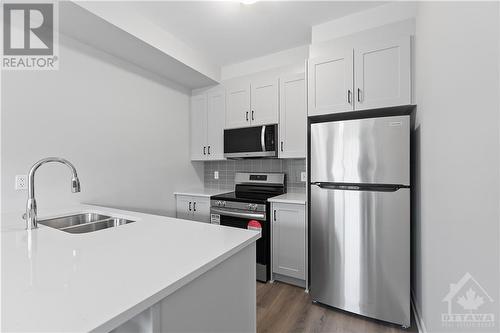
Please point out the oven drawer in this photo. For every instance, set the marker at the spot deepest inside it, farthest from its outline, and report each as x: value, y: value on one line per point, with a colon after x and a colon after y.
x: 241, y: 221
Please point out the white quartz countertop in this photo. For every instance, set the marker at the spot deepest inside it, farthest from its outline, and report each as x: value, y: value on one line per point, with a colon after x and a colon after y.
x: 201, y: 192
x: 291, y: 198
x: 54, y: 281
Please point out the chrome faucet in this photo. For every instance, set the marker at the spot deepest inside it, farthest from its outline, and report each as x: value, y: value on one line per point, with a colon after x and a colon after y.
x: 31, y: 213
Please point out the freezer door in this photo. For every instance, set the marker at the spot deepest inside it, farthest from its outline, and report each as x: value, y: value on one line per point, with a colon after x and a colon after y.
x: 360, y: 252
x: 374, y: 150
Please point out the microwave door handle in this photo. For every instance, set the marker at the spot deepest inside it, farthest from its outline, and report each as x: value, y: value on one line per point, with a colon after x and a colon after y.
x: 263, y: 138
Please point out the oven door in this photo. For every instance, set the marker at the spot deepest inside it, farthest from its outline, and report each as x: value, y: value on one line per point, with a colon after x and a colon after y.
x: 240, y: 219
x: 259, y: 141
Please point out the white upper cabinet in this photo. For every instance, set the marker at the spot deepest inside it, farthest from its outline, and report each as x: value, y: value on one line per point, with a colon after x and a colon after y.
x: 238, y: 105
x: 331, y: 83
x: 215, y: 124
x: 198, y: 126
x: 252, y: 103
x: 293, y: 116
x: 383, y: 74
x: 207, y: 125
x: 264, y: 101
x: 367, y: 75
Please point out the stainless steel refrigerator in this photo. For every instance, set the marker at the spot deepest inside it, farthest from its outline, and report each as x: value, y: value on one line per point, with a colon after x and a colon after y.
x: 360, y: 216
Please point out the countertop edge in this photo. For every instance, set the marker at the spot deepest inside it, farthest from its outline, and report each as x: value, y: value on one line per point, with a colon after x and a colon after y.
x: 207, y: 193
x: 122, y: 314
x: 168, y: 290
x: 287, y: 201
x: 290, y: 198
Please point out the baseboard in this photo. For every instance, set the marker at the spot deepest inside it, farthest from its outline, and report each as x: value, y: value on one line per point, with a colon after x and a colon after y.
x: 418, y: 316
x: 290, y: 280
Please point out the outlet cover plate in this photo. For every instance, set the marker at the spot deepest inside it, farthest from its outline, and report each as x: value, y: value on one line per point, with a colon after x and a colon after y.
x: 216, y: 174
x: 21, y: 182
x: 303, y: 176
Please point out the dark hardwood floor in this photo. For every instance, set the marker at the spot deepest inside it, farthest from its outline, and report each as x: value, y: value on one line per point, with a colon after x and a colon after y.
x: 285, y: 308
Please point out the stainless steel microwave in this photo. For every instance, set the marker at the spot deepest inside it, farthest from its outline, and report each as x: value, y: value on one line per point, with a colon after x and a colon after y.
x: 248, y: 142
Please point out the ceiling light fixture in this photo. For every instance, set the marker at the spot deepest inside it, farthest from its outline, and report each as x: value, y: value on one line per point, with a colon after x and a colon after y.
x: 248, y: 2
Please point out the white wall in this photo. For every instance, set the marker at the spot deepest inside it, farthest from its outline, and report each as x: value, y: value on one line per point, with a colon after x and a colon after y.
x: 294, y: 57
x: 368, y: 19
x: 457, y: 135
x: 125, y: 130
x: 128, y: 19
x: 391, y: 30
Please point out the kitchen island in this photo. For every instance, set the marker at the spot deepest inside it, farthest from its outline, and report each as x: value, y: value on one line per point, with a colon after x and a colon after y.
x: 155, y: 274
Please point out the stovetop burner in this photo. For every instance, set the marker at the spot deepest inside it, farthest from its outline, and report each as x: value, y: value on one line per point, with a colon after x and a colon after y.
x: 254, y: 187
x: 244, y: 197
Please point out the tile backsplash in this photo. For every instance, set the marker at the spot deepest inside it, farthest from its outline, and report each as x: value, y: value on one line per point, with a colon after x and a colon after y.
x: 291, y: 167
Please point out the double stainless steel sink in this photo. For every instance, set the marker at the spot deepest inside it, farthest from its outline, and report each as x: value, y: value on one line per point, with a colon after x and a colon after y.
x: 85, y: 222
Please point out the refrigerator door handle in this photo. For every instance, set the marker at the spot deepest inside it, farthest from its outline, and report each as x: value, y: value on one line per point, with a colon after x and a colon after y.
x: 359, y: 187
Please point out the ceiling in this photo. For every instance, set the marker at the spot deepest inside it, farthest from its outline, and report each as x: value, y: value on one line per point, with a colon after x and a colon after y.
x: 228, y: 32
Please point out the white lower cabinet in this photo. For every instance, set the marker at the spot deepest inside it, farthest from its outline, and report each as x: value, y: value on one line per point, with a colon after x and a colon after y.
x: 193, y: 208
x: 289, y: 243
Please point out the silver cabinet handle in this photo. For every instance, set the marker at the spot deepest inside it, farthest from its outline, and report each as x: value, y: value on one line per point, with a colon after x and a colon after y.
x: 204, y: 150
x: 281, y: 145
x: 252, y: 114
x: 246, y: 116
x: 359, y: 95
x: 194, y: 206
x: 349, y: 96
x: 189, y: 205
x: 274, y: 213
x: 208, y: 150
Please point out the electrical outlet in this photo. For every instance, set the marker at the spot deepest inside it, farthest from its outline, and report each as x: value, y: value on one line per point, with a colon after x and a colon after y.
x: 216, y: 174
x: 21, y: 182
x: 303, y: 176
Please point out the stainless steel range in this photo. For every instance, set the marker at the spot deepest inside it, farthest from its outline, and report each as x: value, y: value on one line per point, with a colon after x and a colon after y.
x: 247, y: 207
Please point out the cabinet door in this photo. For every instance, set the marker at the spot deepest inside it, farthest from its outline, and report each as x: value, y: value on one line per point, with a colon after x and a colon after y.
x: 289, y: 240
x: 330, y: 81
x: 383, y: 74
x: 215, y: 124
x: 238, y: 106
x: 198, y: 127
x: 264, y: 99
x: 183, y: 205
x: 201, y: 209
x: 293, y: 117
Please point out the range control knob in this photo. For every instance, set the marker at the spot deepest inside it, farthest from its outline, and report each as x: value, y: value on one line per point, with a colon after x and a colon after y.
x: 252, y: 206
x: 223, y: 203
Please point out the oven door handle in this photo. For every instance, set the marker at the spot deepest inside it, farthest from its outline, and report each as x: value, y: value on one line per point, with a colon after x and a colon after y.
x: 244, y: 215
